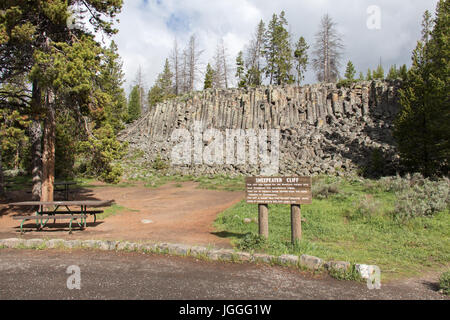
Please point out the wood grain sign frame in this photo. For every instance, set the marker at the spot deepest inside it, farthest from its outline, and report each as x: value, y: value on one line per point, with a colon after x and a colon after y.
x: 278, y: 190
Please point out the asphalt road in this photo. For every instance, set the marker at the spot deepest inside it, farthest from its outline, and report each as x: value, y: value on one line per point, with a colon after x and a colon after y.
x: 33, y: 274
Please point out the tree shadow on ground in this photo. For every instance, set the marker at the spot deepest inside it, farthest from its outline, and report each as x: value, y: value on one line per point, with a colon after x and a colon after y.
x: 30, y: 227
x: 79, y: 194
x: 227, y: 234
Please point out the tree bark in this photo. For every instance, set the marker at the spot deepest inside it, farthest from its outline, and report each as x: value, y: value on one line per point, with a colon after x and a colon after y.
x: 48, y: 157
x: 2, y: 180
x: 36, y: 143
x: 36, y: 158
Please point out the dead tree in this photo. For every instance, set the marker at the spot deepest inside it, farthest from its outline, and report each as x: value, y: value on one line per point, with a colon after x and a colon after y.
x: 192, y: 59
x: 327, y: 51
x: 175, y: 59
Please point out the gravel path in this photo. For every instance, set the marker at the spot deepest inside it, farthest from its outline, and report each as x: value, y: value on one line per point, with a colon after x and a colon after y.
x: 34, y: 274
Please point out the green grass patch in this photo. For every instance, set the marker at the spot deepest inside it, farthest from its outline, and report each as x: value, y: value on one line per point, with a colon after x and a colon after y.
x: 113, y: 210
x: 351, y: 225
x: 444, y: 283
x: 219, y: 182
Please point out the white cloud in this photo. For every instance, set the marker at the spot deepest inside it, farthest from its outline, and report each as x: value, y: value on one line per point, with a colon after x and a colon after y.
x: 148, y: 29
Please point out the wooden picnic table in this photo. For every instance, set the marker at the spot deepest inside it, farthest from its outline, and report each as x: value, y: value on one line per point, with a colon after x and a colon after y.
x: 41, y: 214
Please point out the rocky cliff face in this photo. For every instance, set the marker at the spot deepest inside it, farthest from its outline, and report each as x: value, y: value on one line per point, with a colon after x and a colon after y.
x: 323, y: 129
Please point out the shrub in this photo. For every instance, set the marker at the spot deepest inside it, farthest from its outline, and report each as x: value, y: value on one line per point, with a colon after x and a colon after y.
x: 366, y: 207
x: 346, y: 83
x: 251, y: 241
x: 394, y: 184
x: 444, y: 283
x: 102, y: 151
x: 159, y: 164
x: 423, y: 198
x: 322, y: 190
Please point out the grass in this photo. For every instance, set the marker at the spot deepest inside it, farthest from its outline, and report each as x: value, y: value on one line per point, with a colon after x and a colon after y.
x: 223, y: 183
x: 114, y: 210
x: 349, y: 219
x: 444, y: 283
x: 339, y: 228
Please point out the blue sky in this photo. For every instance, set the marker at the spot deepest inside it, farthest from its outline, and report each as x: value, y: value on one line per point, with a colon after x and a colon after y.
x: 148, y: 29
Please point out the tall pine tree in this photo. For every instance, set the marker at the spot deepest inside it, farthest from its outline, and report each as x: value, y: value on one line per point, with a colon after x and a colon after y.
x: 422, y: 128
x: 301, y: 59
x: 134, y: 104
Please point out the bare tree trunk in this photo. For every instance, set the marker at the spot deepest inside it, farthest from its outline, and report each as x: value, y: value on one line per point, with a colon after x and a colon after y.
x: 36, y: 144
x: 48, y: 158
x: 225, y: 64
x: 176, y: 66
x: 2, y: 179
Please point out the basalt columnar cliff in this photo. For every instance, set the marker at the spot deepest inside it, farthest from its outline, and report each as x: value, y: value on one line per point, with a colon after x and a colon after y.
x: 323, y: 129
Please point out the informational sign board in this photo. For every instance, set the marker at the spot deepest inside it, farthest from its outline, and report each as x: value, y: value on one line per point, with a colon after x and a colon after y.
x: 278, y: 190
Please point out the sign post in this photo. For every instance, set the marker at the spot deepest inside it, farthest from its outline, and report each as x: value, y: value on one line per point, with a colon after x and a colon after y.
x: 279, y: 190
x: 296, y: 223
x: 263, y: 220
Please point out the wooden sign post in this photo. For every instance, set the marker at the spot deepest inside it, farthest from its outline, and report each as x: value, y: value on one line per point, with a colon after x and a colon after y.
x: 279, y: 190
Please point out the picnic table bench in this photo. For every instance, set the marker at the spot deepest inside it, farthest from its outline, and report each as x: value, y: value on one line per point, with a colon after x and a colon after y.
x: 42, y: 216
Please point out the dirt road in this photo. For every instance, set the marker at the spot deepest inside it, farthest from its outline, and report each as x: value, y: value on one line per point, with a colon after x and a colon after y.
x: 178, y: 213
x: 28, y: 274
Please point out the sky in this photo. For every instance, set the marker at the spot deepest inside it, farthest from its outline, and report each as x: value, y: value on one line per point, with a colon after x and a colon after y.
x: 148, y: 28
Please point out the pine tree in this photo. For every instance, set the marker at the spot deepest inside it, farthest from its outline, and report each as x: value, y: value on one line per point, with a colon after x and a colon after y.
x: 350, y: 72
x: 278, y: 51
x: 270, y: 48
x: 165, y: 80
x: 378, y: 74
x: 63, y: 65
x: 393, y: 73
x: 361, y: 76
x: 240, y: 70
x: 422, y: 127
x: 134, y: 104
x: 301, y: 59
x: 369, y: 76
x: 111, y: 81
x: 163, y: 88
x: 155, y: 95
x: 403, y: 72
x: 209, y: 77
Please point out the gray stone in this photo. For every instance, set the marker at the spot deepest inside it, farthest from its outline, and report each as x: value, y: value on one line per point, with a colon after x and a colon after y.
x: 90, y: 244
x: 73, y: 244
x: 55, y: 243
x: 288, y: 259
x: 260, y: 257
x: 107, y: 245
x: 213, y: 254
x: 243, y: 256
x: 123, y: 246
x: 162, y: 247
x: 338, y: 265
x: 197, y: 251
x: 178, y: 249
x: 12, y: 242
x: 225, y: 254
x: 33, y: 243
x: 310, y: 262
x: 365, y: 270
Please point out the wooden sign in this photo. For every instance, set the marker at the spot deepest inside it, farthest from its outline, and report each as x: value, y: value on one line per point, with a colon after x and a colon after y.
x: 278, y: 190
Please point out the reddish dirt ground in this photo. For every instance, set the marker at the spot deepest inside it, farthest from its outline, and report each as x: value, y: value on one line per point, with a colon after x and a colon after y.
x: 178, y: 214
